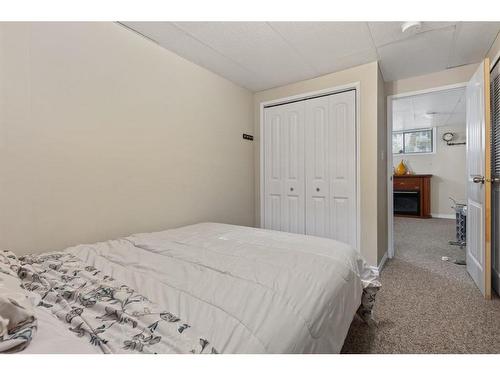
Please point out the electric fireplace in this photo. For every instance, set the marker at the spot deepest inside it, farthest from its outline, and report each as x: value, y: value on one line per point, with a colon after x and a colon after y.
x: 407, y: 203
x: 412, y: 195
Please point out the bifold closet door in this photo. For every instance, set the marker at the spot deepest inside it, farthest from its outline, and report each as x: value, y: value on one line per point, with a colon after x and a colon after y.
x: 284, y: 207
x: 330, y: 174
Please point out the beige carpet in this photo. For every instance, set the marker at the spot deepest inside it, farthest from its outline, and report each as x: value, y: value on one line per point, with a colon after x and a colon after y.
x: 427, y: 305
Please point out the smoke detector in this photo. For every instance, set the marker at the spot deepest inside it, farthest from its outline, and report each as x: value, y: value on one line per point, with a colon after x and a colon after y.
x: 411, y: 26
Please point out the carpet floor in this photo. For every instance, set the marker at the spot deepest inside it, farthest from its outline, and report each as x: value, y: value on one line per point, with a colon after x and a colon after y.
x: 427, y: 305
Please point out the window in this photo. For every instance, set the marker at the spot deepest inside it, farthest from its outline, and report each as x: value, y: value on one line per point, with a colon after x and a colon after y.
x: 413, y: 141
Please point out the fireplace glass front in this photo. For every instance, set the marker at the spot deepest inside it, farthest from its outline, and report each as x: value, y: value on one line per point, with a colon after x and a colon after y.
x: 407, y: 203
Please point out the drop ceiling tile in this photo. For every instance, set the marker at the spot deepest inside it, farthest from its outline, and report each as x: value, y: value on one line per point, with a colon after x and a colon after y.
x: 260, y: 55
x: 456, y: 119
x: 174, y: 39
x: 390, y: 32
x: 410, y: 112
x: 460, y: 108
x: 404, y: 104
x: 423, y: 53
x: 422, y: 123
x: 255, y: 46
x: 472, y: 42
x: 443, y: 102
x: 403, y: 120
x: 345, y: 62
x: 329, y: 46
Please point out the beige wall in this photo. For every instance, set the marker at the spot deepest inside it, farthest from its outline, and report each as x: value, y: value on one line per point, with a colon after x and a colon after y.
x: 443, y: 78
x: 103, y: 133
x: 447, y: 166
x: 367, y: 76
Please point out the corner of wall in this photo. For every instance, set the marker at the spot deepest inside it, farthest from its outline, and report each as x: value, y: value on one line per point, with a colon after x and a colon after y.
x: 494, y: 50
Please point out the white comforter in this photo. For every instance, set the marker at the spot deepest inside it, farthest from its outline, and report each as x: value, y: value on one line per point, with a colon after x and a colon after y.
x: 247, y: 290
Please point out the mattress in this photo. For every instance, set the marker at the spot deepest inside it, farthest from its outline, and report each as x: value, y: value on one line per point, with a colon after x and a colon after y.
x: 245, y: 290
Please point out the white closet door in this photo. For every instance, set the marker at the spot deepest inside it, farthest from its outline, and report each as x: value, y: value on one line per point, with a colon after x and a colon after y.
x: 317, y: 171
x: 272, y: 166
x: 293, y: 169
x: 342, y: 163
x: 331, y: 167
x: 284, y: 168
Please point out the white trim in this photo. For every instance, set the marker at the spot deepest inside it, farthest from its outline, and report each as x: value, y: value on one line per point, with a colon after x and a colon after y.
x: 390, y: 158
x: 494, y: 61
x: 390, y: 174
x: 332, y: 90
x: 443, y: 216
x: 429, y: 90
x: 311, y: 94
x: 261, y: 167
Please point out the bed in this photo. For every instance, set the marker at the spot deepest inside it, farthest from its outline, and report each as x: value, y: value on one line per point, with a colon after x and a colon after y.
x: 203, y: 288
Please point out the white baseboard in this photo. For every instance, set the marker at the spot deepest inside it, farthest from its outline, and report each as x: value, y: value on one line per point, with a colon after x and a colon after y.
x: 443, y: 216
x: 495, y: 280
x: 381, y: 264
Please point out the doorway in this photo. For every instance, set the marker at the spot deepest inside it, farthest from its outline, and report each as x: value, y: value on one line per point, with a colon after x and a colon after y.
x: 427, y: 178
x: 473, y: 217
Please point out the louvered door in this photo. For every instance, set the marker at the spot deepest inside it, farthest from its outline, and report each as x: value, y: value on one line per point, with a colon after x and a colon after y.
x: 495, y: 171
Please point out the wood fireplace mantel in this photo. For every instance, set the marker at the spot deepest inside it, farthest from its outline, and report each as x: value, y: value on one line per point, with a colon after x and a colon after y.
x: 420, y: 183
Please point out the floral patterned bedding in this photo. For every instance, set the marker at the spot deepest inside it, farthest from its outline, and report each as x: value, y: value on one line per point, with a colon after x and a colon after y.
x: 203, y: 288
x: 95, y: 307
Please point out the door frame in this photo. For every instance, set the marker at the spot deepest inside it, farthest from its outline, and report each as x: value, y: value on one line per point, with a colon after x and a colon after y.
x: 390, y: 166
x: 310, y: 95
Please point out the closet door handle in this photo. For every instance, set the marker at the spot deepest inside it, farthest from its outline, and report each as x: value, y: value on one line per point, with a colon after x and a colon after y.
x: 291, y: 189
x: 317, y: 189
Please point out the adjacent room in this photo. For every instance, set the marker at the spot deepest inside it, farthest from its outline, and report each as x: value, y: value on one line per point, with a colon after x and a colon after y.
x: 249, y: 187
x: 429, y: 178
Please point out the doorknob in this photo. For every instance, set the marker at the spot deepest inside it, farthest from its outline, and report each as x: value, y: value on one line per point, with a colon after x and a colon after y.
x: 478, y: 179
x: 291, y: 189
x: 317, y: 189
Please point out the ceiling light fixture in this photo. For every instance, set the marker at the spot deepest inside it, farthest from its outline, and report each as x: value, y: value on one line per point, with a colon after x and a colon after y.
x: 411, y: 26
x: 431, y: 115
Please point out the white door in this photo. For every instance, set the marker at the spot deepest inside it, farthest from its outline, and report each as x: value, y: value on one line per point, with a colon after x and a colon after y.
x: 317, y: 169
x: 331, y: 167
x: 284, y: 168
x: 342, y: 164
x: 479, y: 179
